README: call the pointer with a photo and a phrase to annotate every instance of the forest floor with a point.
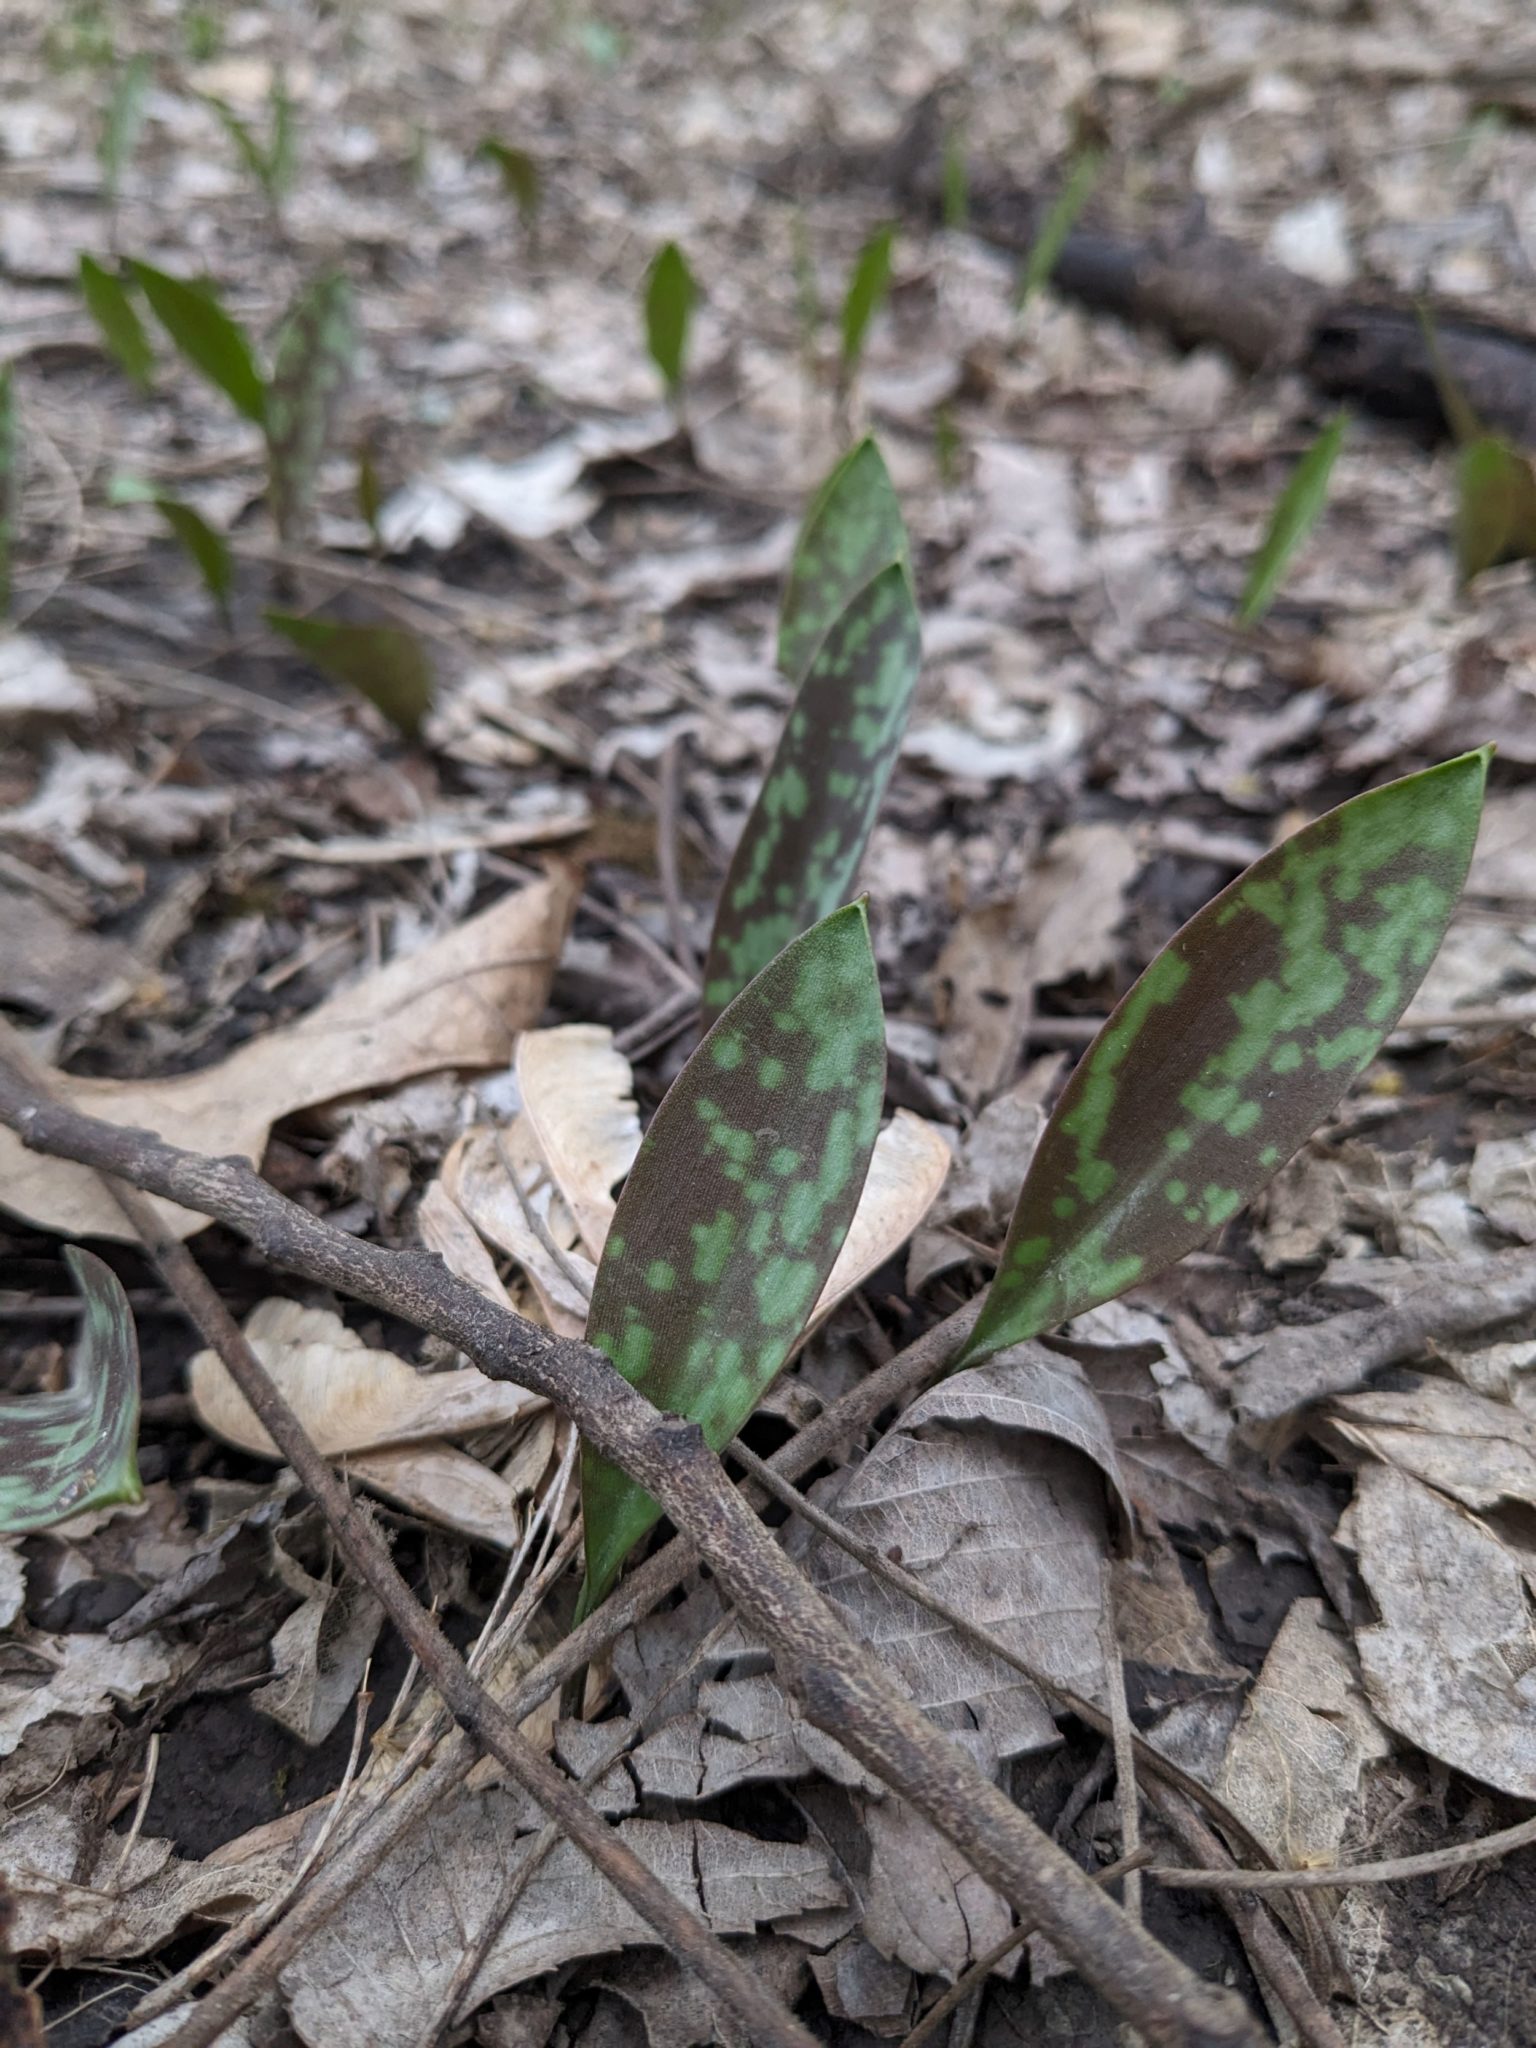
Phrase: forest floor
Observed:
(1326, 1614)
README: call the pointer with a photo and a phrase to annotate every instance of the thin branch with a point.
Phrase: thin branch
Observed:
(1323, 1877)
(358, 1538)
(376, 1835)
(1123, 1736)
(841, 1688)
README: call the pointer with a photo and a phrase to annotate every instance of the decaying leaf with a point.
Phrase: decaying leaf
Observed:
(444, 1485)
(736, 1206)
(348, 1397)
(1479, 1451)
(358, 1985)
(1233, 1046)
(446, 1230)
(64, 1453)
(458, 1002)
(77, 1675)
(78, 1895)
(319, 1653)
(800, 849)
(578, 1097)
(906, 1172)
(1295, 1759)
(1449, 1664)
(977, 1492)
(478, 1177)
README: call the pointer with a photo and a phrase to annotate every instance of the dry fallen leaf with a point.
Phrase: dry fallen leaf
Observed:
(348, 1397)
(578, 1095)
(476, 1179)
(981, 1496)
(446, 1230)
(1295, 1759)
(358, 1985)
(1451, 1664)
(319, 1654)
(1479, 1451)
(906, 1171)
(443, 1485)
(458, 1002)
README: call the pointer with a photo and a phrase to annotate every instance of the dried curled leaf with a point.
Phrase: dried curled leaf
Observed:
(63, 1453)
(733, 1214)
(1233, 1046)
(799, 853)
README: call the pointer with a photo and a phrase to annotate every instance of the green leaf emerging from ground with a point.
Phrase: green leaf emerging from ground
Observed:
(124, 120)
(1233, 1046)
(1045, 251)
(210, 340)
(207, 549)
(310, 367)
(1297, 510)
(669, 296)
(63, 1453)
(867, 287)
(385, 664)
(800, 850)
(1495, 508)
(852, 530)
(519, 175)
(736, 1206)
(122, 330)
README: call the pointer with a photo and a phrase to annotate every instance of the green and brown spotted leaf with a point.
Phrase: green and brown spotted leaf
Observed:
(799, 853)
(852, 530)
(736, 1207)
(1233, 1046)
(310, 367)
(63, 1453)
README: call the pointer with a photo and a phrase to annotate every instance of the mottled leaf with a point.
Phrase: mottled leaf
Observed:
(866, 292)
(1233, 1046)
(1297, 510)
(669, 297)
(121, 328)
(124, 119)
(800, 851)
(519, 175)
(210, 340)
(1495, 508)
(207, 549)
(738, 1201)
(1045, 250)
(310, 366)
(385, 664)
(852, 529)
(10, 480)
(63, 1453)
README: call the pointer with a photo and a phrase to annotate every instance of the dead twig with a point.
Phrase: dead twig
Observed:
(1323, 1877)
(412, 1798)
(841, 1688)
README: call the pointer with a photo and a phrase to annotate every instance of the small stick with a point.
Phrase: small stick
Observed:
(141, 1807)
(1392, 1870)
(1123, 1736)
